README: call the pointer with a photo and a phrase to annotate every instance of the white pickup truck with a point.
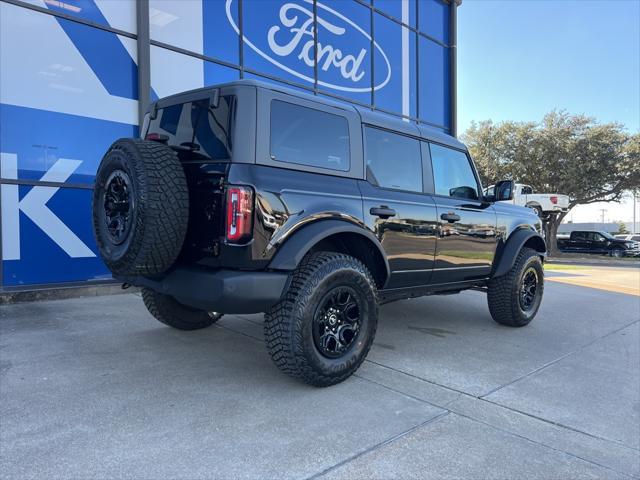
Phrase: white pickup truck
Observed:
(543, 203)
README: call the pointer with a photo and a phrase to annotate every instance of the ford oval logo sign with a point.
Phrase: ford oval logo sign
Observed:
(344, 48)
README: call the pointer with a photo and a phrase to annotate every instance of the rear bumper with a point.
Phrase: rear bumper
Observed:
(224, 291)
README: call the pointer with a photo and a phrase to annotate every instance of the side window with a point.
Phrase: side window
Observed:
(452, 173)
(306, 136)
(527, 190)
(393, 161)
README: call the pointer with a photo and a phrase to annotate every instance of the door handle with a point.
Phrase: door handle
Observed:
(382, 211)
(450, 217)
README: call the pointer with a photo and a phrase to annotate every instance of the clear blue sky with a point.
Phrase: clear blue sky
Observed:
(518, 59)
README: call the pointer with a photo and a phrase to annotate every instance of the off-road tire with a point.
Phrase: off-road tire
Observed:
(174, 314)
(288, 324)
(503, 293)
(160, 209)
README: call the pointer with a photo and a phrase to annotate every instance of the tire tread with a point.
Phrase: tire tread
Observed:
(162, 209)
(172, 313)
(284, 339)
(502, 293)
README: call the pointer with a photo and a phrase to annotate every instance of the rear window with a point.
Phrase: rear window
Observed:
(197, 127)
(306, 136)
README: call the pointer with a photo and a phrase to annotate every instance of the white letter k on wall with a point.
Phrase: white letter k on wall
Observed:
(34, 206)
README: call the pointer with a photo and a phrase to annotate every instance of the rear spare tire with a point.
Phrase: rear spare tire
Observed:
(140, 207)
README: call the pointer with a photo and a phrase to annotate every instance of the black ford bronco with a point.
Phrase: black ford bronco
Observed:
(249, 197)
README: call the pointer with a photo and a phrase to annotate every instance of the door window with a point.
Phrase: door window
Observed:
(393, 161)
(527, 190)
(307, 136)
(452, 173)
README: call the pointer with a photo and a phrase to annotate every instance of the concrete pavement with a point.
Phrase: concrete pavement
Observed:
(96, 388)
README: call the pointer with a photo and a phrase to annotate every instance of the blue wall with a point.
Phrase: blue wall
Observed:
(69, 90)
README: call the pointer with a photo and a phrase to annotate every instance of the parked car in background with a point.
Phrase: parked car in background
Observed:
(598, 242)
(633, 238)
(544, 204)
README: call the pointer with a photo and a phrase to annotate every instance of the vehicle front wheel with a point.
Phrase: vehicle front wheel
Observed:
(514, 298)
(323, 328)
(616, 252)
(174, 314)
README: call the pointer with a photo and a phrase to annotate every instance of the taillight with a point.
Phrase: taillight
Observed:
(554, 200)
(157, 137)
(239, 213)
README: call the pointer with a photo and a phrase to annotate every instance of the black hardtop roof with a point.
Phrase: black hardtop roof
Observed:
(367, 116)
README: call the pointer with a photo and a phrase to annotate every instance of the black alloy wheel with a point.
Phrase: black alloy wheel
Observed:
(337, 322)
(528, 289)
(118, 204)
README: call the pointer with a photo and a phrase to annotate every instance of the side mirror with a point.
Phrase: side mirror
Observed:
(504, 190)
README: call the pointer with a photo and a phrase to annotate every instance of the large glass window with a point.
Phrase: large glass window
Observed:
(395, 81)
(393, 161)
(434, 71)
(434, 19)
(452, 173)
(198, 127)
(403, 11)
(278, 39)
(344, 50)
(120, 14)
(307, 136)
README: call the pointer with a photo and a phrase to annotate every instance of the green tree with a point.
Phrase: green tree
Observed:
(622, 229)
(568, 154)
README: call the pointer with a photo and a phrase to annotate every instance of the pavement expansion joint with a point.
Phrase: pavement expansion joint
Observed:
(379, 445)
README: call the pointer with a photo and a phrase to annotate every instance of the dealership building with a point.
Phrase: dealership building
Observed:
(75, 75)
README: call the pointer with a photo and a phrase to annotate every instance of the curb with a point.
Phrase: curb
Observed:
(61, 293)
(597, 262)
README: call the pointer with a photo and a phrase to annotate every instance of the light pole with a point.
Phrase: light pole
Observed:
(603, 211)
(635, 230)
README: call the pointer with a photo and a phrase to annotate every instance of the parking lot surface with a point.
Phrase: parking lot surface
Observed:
(96, 388)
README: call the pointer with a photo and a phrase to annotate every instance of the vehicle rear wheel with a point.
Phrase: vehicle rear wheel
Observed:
(323, 328)
(174, 314)
(140, 207)
(541, 214)
(616, 252)
(514, 298)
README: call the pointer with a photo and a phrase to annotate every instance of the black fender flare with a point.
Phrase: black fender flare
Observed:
(293, 250)
(514, 244)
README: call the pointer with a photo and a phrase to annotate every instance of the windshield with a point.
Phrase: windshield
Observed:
(608, 236)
